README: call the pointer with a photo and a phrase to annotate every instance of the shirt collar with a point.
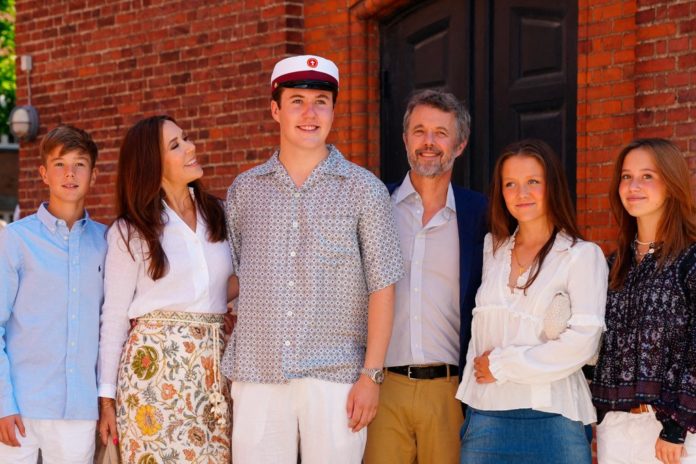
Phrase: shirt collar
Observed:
(406, 189)
(334, 164)
(562, 242)
(168, 212)
(52, 222)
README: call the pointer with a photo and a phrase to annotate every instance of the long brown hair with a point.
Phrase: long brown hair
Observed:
(559, 206)
(677, 227)
(139, 193)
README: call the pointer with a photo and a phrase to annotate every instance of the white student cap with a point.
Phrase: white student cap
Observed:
(305, 72)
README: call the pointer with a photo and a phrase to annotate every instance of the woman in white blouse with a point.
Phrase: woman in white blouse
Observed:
(167, 270)
(538, 318)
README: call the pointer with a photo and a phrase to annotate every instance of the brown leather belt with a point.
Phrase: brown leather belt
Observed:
(426, 372)
(640, 409)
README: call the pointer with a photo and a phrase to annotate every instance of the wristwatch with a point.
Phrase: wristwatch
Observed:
(375, 374)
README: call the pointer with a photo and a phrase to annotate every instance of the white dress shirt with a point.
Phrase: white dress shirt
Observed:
(196, 281)
(531, 371)
(426, 310)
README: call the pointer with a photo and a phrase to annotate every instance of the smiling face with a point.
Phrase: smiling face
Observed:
(642, 190)
(524, 188)
(68, 176)
(179, 164)
(305, 117)
(431, 141)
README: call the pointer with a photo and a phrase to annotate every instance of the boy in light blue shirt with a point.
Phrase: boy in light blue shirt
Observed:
(51, 291)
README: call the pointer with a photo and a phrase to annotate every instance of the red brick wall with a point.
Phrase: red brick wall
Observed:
(606, 104)
(104, 64)
(636, 73)
(666, 74)
(8, 174)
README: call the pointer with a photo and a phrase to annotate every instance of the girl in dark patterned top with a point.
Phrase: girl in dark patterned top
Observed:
(644, 385)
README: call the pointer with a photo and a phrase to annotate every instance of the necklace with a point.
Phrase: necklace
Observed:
(640, 254)
(520, 267)
(649, 251)
(651, 244)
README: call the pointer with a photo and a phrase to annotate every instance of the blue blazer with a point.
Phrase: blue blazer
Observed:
(472, 208)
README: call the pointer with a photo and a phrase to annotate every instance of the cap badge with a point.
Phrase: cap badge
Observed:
(312, 62)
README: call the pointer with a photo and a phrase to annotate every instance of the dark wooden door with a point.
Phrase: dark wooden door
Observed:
(512, 61)
(425, 46)
(534, 78)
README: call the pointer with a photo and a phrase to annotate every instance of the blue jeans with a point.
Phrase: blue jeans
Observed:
(522, 436)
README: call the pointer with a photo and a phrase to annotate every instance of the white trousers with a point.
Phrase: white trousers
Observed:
(625, 438)
(60, 442)
(269, 420)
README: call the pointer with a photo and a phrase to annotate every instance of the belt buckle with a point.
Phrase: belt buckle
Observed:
(408, 373)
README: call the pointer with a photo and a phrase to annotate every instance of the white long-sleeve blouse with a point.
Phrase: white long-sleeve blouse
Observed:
(196, 281)
(530, 370)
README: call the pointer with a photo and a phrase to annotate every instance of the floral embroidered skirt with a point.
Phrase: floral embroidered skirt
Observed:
(172, 401)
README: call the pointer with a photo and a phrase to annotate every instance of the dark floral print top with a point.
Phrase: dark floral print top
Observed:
(648, 353)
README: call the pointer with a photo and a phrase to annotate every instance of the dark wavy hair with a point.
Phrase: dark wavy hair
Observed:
(139, 194)
(677, 227)
(559, 206)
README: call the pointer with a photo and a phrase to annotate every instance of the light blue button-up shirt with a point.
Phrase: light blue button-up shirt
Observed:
(51, 292)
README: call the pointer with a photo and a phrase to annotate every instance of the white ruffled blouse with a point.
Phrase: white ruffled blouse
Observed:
(530, 370)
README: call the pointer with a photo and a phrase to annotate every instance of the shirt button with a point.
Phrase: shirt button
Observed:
(74, 290)
(295, 224)
(289, 313)
(297, 194)
(293, 254)
(71, 370)
(287, 342)
(65, 237)
(418, 211)
(291, 283)
(72, 343)
(415, 318)
(73, 317)
(415, 289)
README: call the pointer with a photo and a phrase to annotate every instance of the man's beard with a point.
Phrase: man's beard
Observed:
(430, 167)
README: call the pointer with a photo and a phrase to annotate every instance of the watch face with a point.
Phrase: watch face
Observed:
(379, 377)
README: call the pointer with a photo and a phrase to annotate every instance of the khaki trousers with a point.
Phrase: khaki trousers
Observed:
(418, 421)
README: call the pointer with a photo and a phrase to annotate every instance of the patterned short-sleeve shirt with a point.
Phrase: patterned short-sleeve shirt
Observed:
(307, 259)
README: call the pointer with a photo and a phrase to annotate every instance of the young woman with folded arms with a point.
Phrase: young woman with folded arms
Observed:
(538, 319)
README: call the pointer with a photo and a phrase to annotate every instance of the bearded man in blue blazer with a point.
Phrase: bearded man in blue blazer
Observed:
(441, 229)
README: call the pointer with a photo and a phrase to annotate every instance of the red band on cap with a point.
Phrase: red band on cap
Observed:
(311, 75)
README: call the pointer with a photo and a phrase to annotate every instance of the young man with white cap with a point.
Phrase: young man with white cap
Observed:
(317, 255)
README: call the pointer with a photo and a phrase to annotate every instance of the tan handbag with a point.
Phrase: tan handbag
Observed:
(106, 454)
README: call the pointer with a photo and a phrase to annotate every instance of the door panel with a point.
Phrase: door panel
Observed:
(512, 61)
(535, 76)
(424, 46)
